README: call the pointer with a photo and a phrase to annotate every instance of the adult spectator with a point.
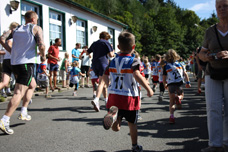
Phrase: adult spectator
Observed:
(23, 53)
(85, 65)
(101, 50)
(53, 58)
(76, 52)
(214, 51)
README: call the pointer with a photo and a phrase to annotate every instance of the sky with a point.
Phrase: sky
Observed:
(203, 8)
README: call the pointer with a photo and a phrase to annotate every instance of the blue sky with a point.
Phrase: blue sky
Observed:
(203, 8)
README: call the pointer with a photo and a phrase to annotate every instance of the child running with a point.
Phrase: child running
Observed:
(155, 71)
(173, 77)
(123, 100)
(94, 80)
(160, 78)
(147, 69)
(42, 77)
(74, 77)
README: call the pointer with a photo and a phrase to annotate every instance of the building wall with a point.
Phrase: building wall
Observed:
(92, 20)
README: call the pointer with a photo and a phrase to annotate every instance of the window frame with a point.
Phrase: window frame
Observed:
(112, 36)
(63, 27)
(86, 30)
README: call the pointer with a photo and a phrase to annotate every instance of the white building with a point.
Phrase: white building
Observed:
(56, 19)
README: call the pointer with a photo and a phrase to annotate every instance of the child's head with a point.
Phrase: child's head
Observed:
(42, 59)
(126, 42)
(171, 56)
(75, 64)
(85, 47)
(136, 54)
(146, 60)
(104, 35)
(66, 55)
(157, 57)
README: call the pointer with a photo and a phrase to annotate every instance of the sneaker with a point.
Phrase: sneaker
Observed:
(171, 120)
(137, 148)
(74, 94)
(110, 117)
(139, 117)
(96, 105)
(9, 94)
(213, 149)
(178, 102)
(47, 96)
(26, 117)
(82, 86)
(95, 86)
(4, 95)
(87, 86)
(5, 128)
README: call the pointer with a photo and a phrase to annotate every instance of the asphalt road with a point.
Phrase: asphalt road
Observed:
(65, 123)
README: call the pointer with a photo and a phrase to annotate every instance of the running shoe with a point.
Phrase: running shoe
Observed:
(178, 102)
(96, 105)
(4, 95)
(47, 96)
(160, 98)
(139, 117)
(137, 148)
(26, 117)
(74, 94)
(5, 128)
(110, 117)
(213, 149)
(171, 120)
(87, 86)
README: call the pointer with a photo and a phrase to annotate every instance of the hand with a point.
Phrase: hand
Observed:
(150, 93)
(223, 54)
(188, 85)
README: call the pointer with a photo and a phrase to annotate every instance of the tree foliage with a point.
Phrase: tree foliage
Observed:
(158, 25)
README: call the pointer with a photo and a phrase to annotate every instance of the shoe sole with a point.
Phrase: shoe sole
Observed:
(109, 117)
(23, 119)
(178, 103)
(94, 106)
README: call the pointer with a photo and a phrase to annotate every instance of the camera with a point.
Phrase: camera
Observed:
(214, 55)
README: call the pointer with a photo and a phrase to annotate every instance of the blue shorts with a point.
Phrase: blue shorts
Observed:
(53, 67)
(99, 69)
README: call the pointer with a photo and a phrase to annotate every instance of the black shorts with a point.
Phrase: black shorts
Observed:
(147, 76)
(85, 69)
(175, 88)
(23, 73)
(7, 69)
(130, 116)
(53, 67)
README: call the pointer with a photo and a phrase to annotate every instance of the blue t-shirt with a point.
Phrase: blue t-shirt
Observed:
(75, 71)
(100, 50)
(76, 53)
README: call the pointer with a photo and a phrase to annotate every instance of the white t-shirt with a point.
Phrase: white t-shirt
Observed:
(24, 45)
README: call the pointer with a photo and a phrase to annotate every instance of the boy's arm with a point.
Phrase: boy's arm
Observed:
(81, 74)
(142, 81)
(45, 71)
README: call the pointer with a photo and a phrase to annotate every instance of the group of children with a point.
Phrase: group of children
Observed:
(124, 76)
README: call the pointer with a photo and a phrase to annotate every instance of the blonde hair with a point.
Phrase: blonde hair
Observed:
(75, 64)
(13, 25)
(171, 56)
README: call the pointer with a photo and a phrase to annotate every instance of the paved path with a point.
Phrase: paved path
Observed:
(69, 124)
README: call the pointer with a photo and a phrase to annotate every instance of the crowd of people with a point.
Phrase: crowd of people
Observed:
(119, 76)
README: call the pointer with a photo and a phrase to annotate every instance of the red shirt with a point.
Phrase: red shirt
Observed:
(54, 51)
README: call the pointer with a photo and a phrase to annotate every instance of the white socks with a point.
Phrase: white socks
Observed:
(5, 120)
(24, 111)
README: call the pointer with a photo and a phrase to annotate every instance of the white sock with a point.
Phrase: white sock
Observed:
(5, 119)
(3, 91)
(106, 100)
(96, 99)
(24, 111)
(8, 90)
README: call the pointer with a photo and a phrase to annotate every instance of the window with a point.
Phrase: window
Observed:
(81, 34)
(112, 39)
(25, 6)
(56, 27)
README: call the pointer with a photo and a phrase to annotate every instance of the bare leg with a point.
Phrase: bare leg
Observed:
(50, 79)
(19, 92)
(83, 83)
(100, 87)
(29, 92)
(171, 103)
(5, 80)
(55, 78)
(133, 132)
